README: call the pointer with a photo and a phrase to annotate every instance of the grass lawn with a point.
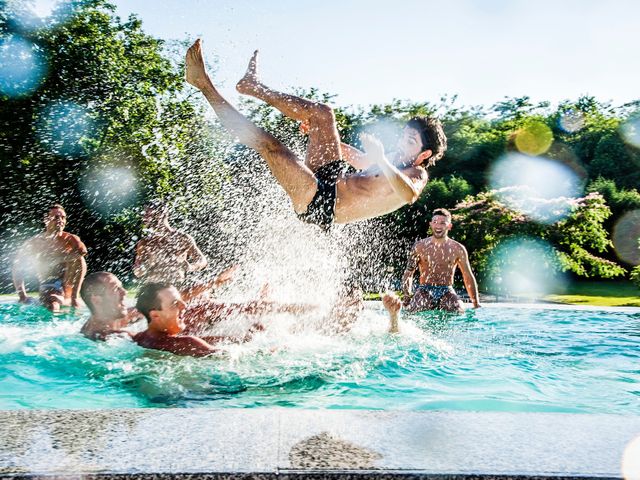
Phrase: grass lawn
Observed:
(619, 293)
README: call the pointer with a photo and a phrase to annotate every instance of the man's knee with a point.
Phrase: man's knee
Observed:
(324, 114)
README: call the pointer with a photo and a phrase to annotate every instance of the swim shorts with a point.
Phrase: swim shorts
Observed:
(321, 209)
(436, 291)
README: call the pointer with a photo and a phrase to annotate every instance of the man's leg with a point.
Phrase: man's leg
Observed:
(450, 302)
(292, 174)
(421, 301)
(74, 274)
(324, 140)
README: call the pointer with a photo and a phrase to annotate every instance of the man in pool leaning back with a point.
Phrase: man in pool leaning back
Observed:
(321, 191)
(437, 258)
(104, 295)
(58, 259)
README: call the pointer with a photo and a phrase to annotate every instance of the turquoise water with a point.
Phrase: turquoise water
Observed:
(494, 359)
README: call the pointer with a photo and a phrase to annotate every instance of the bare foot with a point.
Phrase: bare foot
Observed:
(195, 72)
(249, 84)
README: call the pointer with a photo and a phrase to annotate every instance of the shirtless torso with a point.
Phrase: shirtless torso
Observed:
(58, 261)
(437, 258)
(166, 256)
(368, 193)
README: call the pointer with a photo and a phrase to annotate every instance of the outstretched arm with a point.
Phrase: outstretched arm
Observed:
(354, 157)
(18, 274)
(469, 279)
(140, 263)
(406, 188)
(407, 278)
(195, 258)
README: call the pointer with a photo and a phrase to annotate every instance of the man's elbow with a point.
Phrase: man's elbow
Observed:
(412, 196)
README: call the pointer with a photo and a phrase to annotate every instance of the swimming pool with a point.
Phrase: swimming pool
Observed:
(496, 359)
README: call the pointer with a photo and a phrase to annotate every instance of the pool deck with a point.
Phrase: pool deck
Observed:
(292, 443)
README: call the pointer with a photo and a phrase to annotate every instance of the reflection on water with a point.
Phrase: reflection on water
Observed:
(493, 359)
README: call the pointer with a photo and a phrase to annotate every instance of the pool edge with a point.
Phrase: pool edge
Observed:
(314, 444)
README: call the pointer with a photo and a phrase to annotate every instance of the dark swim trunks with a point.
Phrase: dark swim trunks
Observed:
(436, 291)
(51, 285)
(321, 209)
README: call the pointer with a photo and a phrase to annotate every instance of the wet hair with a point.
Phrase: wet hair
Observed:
(148, 298)
(442, 211)
(158, 206)
(91, 286)
(55, 205)
(432, 136)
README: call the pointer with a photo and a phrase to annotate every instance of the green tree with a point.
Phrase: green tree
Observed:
(111, 104)
(483, 222)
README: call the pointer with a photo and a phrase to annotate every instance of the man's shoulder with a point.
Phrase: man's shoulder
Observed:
(422, 243)
(457, 245)
(74, 241)
(415, 172)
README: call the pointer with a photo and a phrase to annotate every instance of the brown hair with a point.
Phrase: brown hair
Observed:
(442, 211)
(148, 298)
(91, 286)
(55, 205)
(432, 136)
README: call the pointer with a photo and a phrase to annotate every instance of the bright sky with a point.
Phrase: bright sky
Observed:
(372, 51)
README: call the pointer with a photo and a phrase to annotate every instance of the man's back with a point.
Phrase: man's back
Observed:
(186, 345)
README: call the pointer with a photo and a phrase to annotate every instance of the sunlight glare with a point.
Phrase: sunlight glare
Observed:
(22, 67)
(525, 266)
(571, 121)
(535, 138)
(62, 127)
(535, 186)
(631, 132)
(626, 237)
(109, 189)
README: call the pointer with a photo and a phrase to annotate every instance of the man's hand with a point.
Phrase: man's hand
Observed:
(391, 302)
(225, 276)
(77, 303)
(372, 146)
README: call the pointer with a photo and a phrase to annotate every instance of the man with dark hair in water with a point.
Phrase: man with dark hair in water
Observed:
(104, 295)
(321, 191)
(437, 258)
(171, 321)
(58, 258)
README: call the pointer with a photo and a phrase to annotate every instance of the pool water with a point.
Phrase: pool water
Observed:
(493, 359)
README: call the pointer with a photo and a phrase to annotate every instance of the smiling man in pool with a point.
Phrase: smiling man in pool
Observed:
(319, 187)
(437, 258)
(105, 296)
(58, 259)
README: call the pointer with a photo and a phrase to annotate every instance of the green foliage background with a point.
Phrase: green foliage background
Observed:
(147, 121)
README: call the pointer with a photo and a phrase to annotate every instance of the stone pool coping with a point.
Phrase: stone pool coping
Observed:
(283, 443)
